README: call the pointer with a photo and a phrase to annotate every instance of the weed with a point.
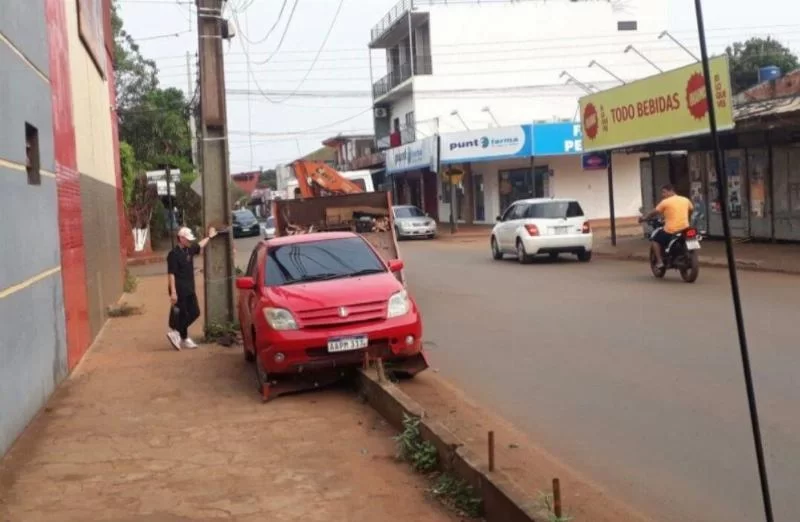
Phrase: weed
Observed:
(131, 283)
(239, 272)
(545, 502)
(421, 454)
(457, 494)
(223, 334)
(123, 310)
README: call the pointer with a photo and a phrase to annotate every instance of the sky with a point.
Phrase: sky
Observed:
(322, 46)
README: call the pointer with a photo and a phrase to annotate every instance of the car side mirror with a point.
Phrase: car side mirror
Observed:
(498, 219)
(395, 265)
(245, 283)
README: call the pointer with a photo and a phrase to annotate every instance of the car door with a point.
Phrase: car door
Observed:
(508, 229)
(249, 298)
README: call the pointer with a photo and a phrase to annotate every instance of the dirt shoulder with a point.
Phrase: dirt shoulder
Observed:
(142, 432)
(529, 466)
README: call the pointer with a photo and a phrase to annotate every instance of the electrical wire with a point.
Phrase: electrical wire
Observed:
(271, 29)
(283, 36)
(319, 52)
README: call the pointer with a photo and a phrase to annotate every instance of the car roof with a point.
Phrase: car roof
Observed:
(308, 238)
(546, 200)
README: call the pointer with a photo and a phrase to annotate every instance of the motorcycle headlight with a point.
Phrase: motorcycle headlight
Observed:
(280, 319)
(398, 305)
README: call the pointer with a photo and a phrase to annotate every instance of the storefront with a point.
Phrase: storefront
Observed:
(497, 169)
(506, 164)
(412, 169)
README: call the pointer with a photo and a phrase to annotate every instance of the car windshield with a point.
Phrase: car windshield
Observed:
(270, 222)
(554, 210)
(244, 215)
(320, 260)
(408, 212)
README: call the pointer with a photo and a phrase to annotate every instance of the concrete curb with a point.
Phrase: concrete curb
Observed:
(750, 266)
(503, 501)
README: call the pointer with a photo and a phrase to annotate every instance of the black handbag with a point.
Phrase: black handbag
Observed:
(174, 317)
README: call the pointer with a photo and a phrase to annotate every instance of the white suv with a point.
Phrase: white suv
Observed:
(531, 227)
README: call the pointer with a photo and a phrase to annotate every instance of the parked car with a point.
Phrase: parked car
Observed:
(411, 221)
(311, 306)
(245, 224)
(532, 227)
(269, 228)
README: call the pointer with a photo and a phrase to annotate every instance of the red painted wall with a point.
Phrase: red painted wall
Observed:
(70, 217)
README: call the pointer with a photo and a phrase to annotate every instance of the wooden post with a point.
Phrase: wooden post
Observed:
(491, 451)
(556, 498)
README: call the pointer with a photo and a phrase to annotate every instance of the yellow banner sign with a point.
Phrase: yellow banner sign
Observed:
(661, 107)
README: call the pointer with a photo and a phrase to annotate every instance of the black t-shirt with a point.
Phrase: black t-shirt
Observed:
(180, 263)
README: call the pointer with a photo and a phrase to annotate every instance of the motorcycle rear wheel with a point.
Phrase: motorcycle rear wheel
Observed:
(691, 272)
(657, 272)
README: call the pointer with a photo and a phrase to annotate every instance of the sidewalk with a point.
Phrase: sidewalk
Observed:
(781, 258)
(142, 432)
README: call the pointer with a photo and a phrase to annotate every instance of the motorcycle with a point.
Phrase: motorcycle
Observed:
(682, 253)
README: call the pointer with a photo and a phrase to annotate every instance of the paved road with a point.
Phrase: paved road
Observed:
(635, 382)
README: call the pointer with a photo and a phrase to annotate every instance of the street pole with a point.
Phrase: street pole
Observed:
(218, 258)
(612, 212)
(192, 123)
(722, 185)
(171, 208)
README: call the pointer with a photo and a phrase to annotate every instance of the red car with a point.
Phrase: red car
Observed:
(313, 305)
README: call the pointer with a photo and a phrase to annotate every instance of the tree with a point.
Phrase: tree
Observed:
(134, 75)
(747, 57)
(268, 178)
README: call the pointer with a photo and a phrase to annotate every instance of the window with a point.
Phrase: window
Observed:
(408, 212)
(509, 214)
(630, 25)
(32, 161)
(321, 260)
(251, 266)
(554, 210)
(410, 127)
(270, 222)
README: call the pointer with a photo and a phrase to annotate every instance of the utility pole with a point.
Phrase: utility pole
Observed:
(192, 122)
(218, 259)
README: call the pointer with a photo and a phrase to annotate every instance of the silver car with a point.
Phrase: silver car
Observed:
(410, 221)
(268, 228)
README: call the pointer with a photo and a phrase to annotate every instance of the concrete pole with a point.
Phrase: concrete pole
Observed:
(218, 262)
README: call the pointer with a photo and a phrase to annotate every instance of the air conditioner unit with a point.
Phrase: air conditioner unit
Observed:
(380, 112)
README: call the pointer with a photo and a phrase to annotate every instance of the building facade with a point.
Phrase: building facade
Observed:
(62, 261)
(440, 68)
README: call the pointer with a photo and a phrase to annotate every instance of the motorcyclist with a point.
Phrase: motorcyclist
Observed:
(677, 211)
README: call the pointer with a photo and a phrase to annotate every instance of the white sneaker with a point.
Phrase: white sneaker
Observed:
(189, 344)
(174, 339)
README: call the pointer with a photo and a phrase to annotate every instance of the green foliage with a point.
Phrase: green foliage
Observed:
(457, 494)
(123, 310)
(223, 334)
(127, 160)
(268, 178)
(131, 283)
(421, 454)
(190, 204)
(747, 57)
(158, 222)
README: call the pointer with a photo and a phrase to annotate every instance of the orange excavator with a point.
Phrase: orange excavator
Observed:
(315, 179)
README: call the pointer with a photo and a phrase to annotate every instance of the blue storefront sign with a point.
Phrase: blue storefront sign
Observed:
(420, 154)
(595, 161)
(557, 139)
(486, 144)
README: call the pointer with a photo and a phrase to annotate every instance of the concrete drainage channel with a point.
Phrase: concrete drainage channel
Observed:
(501, 499)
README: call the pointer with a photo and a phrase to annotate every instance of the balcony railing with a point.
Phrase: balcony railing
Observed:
(407, 135)
(385, 85)
(391, 17)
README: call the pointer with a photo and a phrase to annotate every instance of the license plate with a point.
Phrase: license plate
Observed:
(347, 344)
(560, 230)
(692, 244)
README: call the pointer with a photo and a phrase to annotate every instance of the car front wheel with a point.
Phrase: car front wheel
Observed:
(496, 253)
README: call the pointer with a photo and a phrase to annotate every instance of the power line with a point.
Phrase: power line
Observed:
(319, 52)
(269, 32)
(283, 36)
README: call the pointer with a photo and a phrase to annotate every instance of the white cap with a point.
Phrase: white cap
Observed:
(186, 233)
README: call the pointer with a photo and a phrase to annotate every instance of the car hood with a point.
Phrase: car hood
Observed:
(348, 291)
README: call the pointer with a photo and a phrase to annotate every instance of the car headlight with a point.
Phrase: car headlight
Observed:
(432, 223)
(398, 305)
(280, 319)
(404, 225)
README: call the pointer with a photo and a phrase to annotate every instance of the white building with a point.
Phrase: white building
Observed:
(472, 65)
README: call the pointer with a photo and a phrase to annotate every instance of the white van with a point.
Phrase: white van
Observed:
(362, 178)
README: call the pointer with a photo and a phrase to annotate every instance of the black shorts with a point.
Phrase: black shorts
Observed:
(661, 237)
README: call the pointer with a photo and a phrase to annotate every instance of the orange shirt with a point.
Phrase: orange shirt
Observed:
(676, 211)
